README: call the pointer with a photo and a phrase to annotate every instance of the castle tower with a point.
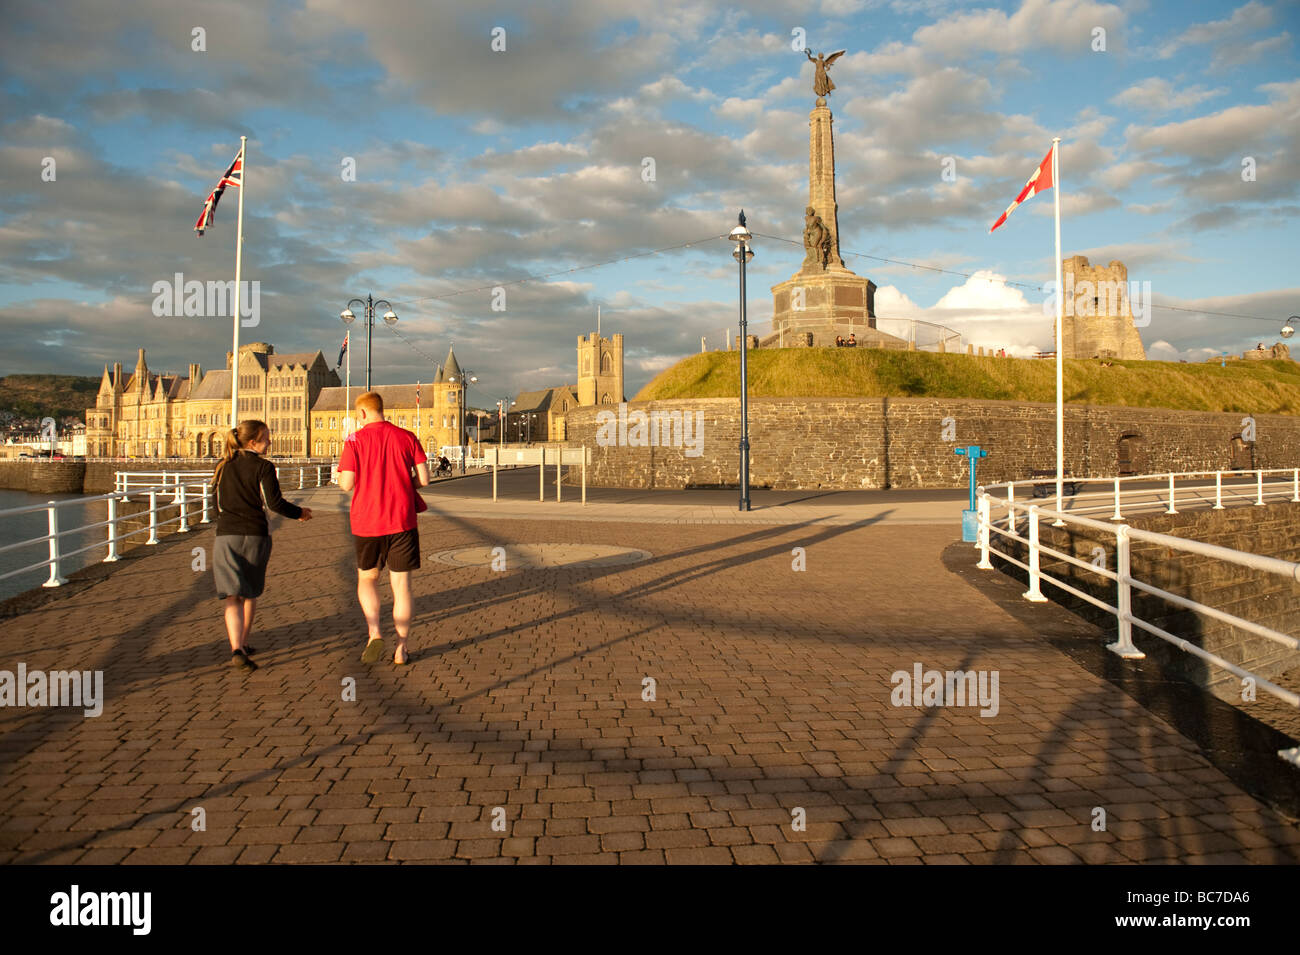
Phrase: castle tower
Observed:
(1098, 321)
(600, 369)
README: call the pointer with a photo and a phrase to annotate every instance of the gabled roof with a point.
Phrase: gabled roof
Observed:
(306, 359)
(538, 402)
(396, 397)
(215, 384)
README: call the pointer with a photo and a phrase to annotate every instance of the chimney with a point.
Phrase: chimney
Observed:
(195, 374)
(229, 360)
(117, 375)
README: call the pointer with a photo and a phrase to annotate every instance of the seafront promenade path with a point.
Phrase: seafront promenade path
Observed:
(525, 729)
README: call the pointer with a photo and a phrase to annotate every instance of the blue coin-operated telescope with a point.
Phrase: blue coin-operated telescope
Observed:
(970, 524)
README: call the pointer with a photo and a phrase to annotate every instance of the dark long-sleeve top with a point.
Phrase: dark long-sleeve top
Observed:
(248, 485)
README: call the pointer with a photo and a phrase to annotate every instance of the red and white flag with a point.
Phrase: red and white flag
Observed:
(1040, 181)
(234, 177)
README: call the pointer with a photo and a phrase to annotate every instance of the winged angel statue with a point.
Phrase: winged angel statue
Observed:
(822, 84)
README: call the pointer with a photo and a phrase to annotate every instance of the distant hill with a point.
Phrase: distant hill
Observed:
(1248, 387)
(55, 396)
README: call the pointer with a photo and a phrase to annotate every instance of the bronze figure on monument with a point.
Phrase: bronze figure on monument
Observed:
(822, 84)
(816, 240)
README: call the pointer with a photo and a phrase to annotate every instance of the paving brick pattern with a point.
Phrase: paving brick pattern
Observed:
(520, 733)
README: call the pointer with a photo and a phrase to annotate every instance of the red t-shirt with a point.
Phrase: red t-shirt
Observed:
(383, 498)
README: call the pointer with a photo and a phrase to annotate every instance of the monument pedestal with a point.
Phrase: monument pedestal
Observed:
(825, 304)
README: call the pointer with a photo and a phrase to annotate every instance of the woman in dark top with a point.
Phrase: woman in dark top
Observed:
(246, 486)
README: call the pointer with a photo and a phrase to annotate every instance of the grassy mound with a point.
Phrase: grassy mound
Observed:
(1249, 387)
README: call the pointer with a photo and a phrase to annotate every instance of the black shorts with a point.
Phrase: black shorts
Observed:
(400, 551)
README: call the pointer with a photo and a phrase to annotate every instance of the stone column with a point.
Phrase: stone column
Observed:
(821, 177)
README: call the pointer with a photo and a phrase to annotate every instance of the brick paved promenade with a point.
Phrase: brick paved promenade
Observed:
(525, 693)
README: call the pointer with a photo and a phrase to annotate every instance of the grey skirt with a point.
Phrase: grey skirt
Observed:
(239, 565)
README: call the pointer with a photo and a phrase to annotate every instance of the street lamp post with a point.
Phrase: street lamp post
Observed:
(465, 380)
(742, 254)
(369, 304)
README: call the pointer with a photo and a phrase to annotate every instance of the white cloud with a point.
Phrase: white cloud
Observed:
(1156, 94)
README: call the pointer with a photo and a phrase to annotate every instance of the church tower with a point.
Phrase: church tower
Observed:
(600, 369)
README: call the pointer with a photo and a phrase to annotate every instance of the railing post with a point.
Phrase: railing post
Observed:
(1218, 491)
(1034, 593)
(56, 572)
(181, 493)
(1124, 599)
(495, 461)
(300, 479)
(984, 533)
(584, 475)
(1259, 488)
(112, 531)
(1295, 493)
(541, 474)
(558, 459)
(153, 516)
(1011, 499)
(1117, 516)
(206, 488)
(1171, 509)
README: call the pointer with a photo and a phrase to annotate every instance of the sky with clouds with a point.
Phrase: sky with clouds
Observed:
(477, 168)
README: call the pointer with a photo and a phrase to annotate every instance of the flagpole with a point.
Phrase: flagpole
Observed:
(1056, 181)
(239, 261)
(347, 391)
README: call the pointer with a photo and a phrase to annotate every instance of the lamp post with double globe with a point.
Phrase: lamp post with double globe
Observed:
(742, 254)
(369, 304)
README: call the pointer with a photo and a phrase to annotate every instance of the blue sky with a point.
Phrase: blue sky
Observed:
(476, 168)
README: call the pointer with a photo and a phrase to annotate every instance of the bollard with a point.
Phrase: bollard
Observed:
(1124, 599)
(495, 461)
(558, 459)
(584, 473)
(112, 531)
(153, 516)
(541, 475)
(181, 495)
(1034, 593)
(56, 575)
(984, 563)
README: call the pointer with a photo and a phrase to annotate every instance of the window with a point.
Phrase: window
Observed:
(605, 400)
(318, 424)
(333, 424)
(401, 421)
(605, 364)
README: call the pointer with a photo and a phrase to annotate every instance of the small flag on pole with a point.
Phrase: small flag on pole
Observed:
(234, 177)
(344, 350)
(417, 394)
(1040, 181)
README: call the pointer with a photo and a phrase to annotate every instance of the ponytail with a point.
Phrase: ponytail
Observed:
(237, 439)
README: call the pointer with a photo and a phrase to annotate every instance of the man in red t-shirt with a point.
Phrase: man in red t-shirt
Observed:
(376, 467)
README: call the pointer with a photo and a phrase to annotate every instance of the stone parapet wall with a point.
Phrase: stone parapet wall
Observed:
(856, 443)
(43, 477)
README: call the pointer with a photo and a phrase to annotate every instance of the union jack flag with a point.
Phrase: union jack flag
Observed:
(417, 394)
(234, 176)
(344, 350)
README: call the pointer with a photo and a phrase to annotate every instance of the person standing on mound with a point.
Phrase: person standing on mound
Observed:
(376, 467)
(246, 486)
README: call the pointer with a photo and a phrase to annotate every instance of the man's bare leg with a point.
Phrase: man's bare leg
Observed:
(401, 581)
(368, 595)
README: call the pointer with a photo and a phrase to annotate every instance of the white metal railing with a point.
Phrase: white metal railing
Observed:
(1256, 487)
(1125, 582)
(310, 475)
(189, 493)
